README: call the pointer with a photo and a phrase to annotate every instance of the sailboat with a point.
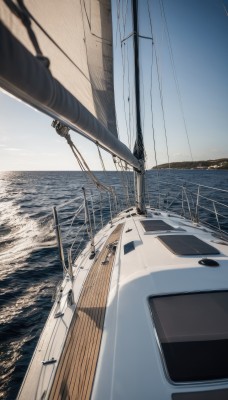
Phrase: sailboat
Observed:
(142, 312)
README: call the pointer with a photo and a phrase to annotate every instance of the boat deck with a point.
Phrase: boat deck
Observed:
(76, 369)
(104, 346)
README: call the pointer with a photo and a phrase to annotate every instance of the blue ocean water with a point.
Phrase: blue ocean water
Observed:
(29, 262)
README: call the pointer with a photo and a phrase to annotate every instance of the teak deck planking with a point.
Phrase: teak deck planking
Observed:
(77, 366)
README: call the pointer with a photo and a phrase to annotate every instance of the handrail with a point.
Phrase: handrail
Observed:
(211, 211)
(207, 224)
(73, 219)
(192, 183)
(204, 186)
(215, 201)
(92, 212)
(192, 202)
(198, 185)
(66, 203)
(103, 207)
(193, 193)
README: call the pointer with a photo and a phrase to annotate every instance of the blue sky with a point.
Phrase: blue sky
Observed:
(28, 141)
(198, 31)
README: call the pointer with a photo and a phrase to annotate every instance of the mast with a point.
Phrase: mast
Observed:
(139, 146)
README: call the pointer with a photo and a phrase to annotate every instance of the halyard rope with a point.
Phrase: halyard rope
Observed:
(63, 131)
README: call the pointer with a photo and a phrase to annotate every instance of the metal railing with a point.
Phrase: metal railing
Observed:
(197, 202)
(77, 221)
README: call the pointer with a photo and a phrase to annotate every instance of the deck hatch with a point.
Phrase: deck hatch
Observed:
(156, 225)
(128, 247)
(192, 331)
(187, 245)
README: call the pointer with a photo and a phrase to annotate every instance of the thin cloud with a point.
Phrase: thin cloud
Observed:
(49, 154)
(13, 149)
(28, 154)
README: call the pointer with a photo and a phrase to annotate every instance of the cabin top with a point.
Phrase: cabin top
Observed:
(158, 297)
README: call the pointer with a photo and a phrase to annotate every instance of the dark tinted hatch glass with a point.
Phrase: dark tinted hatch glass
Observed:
(219, 394)
(128, 247)
(187, 245)
(193, 334)
(156, 225)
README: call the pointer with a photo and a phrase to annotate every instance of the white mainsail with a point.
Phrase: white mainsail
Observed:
(75, 38)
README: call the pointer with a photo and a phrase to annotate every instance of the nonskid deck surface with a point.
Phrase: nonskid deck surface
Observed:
(76, 369)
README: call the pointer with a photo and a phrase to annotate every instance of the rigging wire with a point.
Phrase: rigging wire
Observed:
(162, 8)
(112, 191)
(126, 97)
(123, 87)
(122, 178)
(124, 168)
(116, 41)
(116, 45)
(118, 21)
(125, 16)
(162, 106)
(124, 183)
(129, 184)
(122, 49)
(129, 100)
(151, 106)
(63, 131)
(160, 87)
(130, 180)
(100, 156)
(142, 104)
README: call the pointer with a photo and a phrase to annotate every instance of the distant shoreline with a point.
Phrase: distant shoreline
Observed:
(221, 163)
